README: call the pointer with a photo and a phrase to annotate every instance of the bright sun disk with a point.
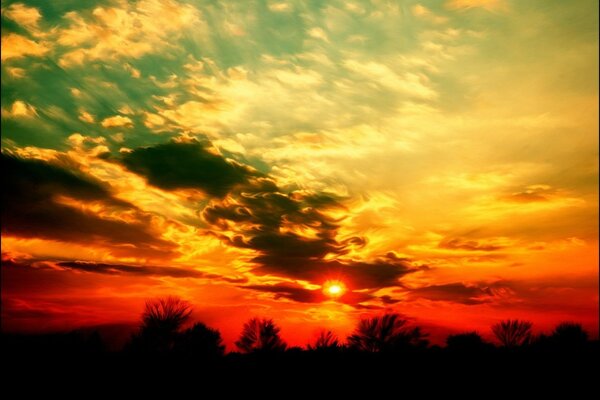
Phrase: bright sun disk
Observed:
(334, 288)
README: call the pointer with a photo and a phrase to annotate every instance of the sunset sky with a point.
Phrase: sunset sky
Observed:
(435, 158)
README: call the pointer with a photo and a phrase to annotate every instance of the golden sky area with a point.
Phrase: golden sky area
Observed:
(311, 163)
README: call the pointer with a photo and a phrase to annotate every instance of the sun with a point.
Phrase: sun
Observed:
(334, 289)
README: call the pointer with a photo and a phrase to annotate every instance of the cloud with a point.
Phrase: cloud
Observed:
(87, 117)
(135, 73)
(355, 274)
(43, 200)
(102, 268)
(187, 165)
(126, 110)
(200, 116)
(421, 11)
(14, 309)
(20, 109)
(27, 17)
(258, 99)
(17, 46)
(129, 31)
(117, 121)
(409, 84)
(486, 4)
(298, 293)
(318, 33)
(471, 245)
(461, 293)
(532, 194)
(294, 237)
(153, 120)
(16, 72)
(279, 6)
(144, 270)
(290, 291)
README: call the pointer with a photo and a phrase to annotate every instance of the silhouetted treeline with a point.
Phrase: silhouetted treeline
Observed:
(164, 331)
(384, 351)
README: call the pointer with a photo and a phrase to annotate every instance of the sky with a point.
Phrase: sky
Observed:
(433, 158)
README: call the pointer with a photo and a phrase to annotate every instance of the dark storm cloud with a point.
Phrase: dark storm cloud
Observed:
(356, 274)
(38, 178)
(274, 224)
(458, 293)
(290, 291)
(30, 208)
(301, 294)
(291, 232)
(143, 270)
(11, 263)
(466, 244)
(187, 165)
(102, 268)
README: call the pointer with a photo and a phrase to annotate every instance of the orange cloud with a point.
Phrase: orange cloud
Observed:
(486, 4)
(17, 46)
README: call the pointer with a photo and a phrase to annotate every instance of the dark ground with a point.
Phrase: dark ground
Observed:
(71, 366)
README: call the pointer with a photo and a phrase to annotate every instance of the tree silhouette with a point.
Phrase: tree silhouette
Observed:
(260, 335)
(161, 321)
(569, 335)
(199, 342)
(326, 341)
(386, 333)
(167, 314)
(465, 342)
(513, 333)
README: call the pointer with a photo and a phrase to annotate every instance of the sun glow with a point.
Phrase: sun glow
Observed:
(334, 288)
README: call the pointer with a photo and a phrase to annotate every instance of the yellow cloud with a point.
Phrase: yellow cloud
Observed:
(489, 208)
(88, 145)
(421, 11)
(135, 73)
(15, 72)
(299, 78)
(412, 84)
(131, 31)
(56, 249)
(487, 4)
(116, 121)
(229, 145)
(17, 46)
(318, 33)
(279, 7)
(153, 120)
(118, 137)
(20, 109)
(86, 117)
(126, 110)
(27, 17)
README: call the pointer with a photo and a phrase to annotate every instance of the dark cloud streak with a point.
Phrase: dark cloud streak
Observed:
(187, 165)
(296, 292)
(143, 270)
(30, 208)
(459, 292)
(271, 223)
